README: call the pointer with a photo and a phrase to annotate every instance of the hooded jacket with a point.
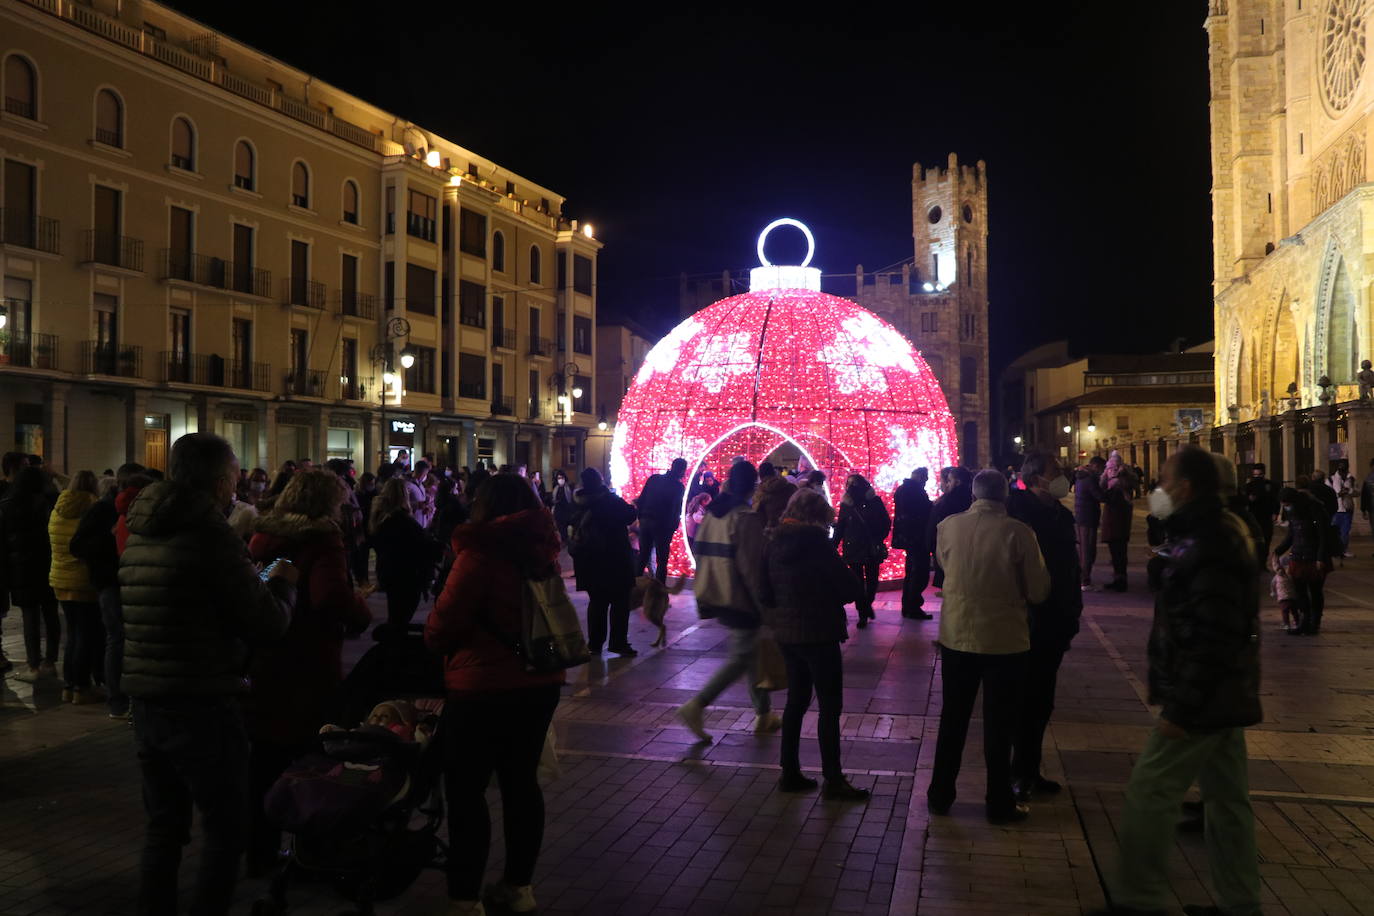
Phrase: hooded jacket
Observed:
(1204, 645)
(294, 679)
(193, 602)
(476, 620)
(729, 555)
(770, 499)
(806, 586)
(609, 566)
(69, 576)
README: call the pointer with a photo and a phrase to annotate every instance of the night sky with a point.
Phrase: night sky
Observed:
(680, 133)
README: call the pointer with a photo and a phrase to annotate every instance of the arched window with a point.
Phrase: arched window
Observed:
(21, 87)
(1342, 336)
(300, 185)
(498, 251)
(109, 118)
(350, 203)
(536, 264)
(183, 145)
(245, 162)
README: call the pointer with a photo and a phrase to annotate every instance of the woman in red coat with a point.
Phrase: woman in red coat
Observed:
(295, 682)
(496, 714)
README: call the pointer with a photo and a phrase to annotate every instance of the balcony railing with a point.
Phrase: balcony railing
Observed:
(421, 227)
(351, 389)
(534, 408)
(115, 250)
(28, 351)
(28, 230)
(213, 369)
(473, 318)
(101, 358)
(244, 278)
(359, 305)
(190, 267)
(503, 338)
(475, 390)
(109, 137)
(25, 108)
(541, 346)
(300, 291)
(308, 382)
(503, 405)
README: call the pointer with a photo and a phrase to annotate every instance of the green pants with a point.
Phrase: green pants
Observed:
(1162, 775)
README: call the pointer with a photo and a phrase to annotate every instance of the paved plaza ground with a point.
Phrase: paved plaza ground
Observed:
(644, 821)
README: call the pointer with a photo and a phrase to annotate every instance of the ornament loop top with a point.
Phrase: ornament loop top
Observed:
(787, 221)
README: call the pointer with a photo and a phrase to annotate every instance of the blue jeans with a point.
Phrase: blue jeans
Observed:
(1342, 522)
(193, 754)
(742, 661)
(112, 615)
(1162, 775)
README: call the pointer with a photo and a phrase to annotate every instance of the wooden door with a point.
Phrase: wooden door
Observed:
(155, 449)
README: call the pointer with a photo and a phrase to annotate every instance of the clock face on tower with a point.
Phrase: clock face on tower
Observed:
(1341, 52)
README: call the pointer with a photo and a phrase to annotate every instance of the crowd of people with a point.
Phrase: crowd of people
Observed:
(210, 606)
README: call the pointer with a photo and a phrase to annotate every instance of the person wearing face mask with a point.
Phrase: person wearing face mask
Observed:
(1204, 673)
(1053, 622)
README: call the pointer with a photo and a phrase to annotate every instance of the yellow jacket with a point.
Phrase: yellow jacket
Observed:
(993, 570)
(69, 577)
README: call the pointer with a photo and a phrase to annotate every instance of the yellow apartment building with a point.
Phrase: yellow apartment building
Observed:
(195, 236)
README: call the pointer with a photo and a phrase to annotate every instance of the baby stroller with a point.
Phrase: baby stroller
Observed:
(364, 810)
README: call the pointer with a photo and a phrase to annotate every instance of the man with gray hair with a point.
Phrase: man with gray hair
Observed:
(993, 570)
(193, 604)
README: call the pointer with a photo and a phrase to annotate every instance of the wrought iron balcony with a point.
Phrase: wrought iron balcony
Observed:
(115, 250)
(301, 291)
(212, 369)
(23, 350)
(351, 389)
(475, 390)
(541, 346)
(28, 230)
(102, 358)
(359, 305)
(503, 338)
(308, 382)
(25, 108)
(504, 405)
(218, 273)
(109, 137)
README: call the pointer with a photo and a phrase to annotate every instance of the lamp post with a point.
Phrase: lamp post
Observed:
(384, 353)
(564, 382)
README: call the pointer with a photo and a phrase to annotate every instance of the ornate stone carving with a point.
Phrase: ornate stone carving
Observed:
(1340, 52)
(1339, 169)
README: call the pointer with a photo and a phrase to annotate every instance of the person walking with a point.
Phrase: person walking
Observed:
(805, 588)
(993, 570)
(1204, 673)
(27, 562)
(1118, 483)
(660, 513)
(94, 544)
(417, 488)
(1054, 621)
(405, 556)
(193, 605)
(1310, 559)
(729, 555)
(1343, 485)
(70, 578)
(910, 514)
(1087, 515)
(956, 495)
(861, 528)
(1263, 496)
(603, 562)
(496, 714)
(562, 499)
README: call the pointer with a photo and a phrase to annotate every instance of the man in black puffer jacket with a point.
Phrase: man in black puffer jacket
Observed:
(956, 495)
(1204, 672)
(193, 605)
(1053, 622)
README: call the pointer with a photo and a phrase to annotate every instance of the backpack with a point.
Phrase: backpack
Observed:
(585, 537)
(550, 634)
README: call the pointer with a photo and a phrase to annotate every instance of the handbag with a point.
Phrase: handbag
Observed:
(551, 637)
(770, 671)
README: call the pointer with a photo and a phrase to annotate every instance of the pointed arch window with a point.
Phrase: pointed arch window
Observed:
(1342, 361)
(109, 118)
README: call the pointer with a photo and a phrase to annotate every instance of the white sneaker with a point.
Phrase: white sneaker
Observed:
(510, 898)
(767, 722)
(691, 714)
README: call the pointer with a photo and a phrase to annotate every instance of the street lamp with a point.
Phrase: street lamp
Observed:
(568, 392)
(1092, 427)
(382, 352)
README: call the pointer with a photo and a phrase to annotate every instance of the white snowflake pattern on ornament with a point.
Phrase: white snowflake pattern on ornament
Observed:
(719, 359)
(671, 443)
(879, 344)
(849, 373)
(620, 464)
(663, 358)
(924, 450)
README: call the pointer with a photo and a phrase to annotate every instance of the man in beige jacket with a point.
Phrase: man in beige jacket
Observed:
(993, 570)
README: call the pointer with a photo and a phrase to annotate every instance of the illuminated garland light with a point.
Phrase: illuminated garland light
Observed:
(778, 365)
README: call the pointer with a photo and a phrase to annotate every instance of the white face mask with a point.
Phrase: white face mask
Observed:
(1161, 505)
(1059, 487)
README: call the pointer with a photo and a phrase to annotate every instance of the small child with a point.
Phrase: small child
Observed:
(1282, 590)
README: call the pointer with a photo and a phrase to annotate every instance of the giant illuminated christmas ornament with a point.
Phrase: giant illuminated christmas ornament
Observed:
(788, 373)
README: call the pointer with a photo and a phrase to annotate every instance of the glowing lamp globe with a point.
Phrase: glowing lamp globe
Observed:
(788, 372)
